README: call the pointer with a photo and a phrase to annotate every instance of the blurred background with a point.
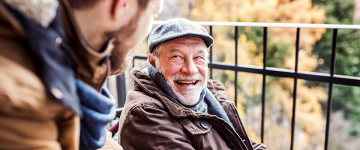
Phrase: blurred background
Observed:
(314, 56)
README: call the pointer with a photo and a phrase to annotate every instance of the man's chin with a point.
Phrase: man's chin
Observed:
(120, 66)
(188, 99)
(121, 61)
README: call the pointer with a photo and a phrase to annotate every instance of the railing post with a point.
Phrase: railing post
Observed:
(332, 72)
(236, 63)
(121, 90)
(295, 88)
(263, 84)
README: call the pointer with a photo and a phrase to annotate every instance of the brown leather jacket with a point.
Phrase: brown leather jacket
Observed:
(153, 120)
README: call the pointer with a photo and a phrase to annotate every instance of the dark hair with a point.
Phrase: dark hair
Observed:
(83, 4)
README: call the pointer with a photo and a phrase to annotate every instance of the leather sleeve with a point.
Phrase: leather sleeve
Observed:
(150, 127)
(257, 146)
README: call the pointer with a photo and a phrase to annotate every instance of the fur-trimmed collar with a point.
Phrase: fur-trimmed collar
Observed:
(41, 11)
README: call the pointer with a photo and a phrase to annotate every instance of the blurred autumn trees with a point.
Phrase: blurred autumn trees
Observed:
(314, 44)
(345, 98)
(310, 122)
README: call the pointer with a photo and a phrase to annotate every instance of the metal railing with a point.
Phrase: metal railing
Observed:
(270, 71)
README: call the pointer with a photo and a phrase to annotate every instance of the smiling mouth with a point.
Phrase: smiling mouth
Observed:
(187, 83)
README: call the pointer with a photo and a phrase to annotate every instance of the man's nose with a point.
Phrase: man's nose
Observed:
(189, 67)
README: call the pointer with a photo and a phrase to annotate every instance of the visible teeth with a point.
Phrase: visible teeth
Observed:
(187, 82)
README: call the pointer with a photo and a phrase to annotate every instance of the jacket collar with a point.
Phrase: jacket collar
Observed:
(93, 67)
(177, 110)
(145, 83)
(42, 12)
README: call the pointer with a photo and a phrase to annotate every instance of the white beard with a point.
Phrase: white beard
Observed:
(185, 97)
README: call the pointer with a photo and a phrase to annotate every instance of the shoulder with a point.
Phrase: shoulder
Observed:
(142, 113)
(215, 85)
(138, 104)
(141, 99)
(218, 90)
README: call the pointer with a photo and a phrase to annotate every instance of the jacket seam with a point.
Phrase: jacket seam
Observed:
(242, 127)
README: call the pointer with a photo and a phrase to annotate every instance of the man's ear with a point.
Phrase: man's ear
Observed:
(152, 60)
(119, 8)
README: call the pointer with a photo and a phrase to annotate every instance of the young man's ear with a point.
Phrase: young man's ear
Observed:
(152, 59)
(119, 8)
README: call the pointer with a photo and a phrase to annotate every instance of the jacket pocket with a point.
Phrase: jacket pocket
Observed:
(195, 127)
(202, 134)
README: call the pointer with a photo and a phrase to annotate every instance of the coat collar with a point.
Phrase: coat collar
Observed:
(177, 110)
(42, 12)
(145, 83)
(93, 67)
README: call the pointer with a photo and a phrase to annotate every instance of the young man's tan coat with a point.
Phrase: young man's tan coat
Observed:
(29, 117)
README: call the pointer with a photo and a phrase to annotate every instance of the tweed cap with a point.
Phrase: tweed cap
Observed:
(177, 28)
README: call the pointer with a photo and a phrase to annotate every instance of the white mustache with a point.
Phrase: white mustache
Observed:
(197, 76)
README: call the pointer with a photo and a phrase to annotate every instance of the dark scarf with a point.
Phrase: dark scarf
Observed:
(207, 102)
(98, 110)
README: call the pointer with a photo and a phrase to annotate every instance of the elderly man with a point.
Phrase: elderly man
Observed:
(173, 105)
(53, 66)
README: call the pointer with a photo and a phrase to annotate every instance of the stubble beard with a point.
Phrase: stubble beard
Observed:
(123, 51)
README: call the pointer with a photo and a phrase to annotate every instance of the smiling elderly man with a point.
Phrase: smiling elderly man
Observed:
(173, 105)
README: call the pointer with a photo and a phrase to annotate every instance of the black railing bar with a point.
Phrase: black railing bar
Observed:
(306, 76)
(263, 107)
(140, 56)
(281, 70)
(313, 76)
(236, 45)
(332, 71)
(297, 48)
(263, 94)
(275, 71)
(265, 34)
(121, 90)
(283, 25)
(236, 61)
(333, 52)
(211, 53)
(133, 62)
(293, 115)
(328, 113)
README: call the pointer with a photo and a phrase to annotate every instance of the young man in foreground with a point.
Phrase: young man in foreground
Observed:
(53, 67)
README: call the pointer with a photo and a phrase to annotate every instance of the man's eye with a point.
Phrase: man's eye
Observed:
(176, 56)
(199, 57)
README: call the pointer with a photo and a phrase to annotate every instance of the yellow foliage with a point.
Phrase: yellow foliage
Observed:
(310, 122)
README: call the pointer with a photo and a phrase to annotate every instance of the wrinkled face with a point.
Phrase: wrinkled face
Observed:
(183, 63)
(131, 35)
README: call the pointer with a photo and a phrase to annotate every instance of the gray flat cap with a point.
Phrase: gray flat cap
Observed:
(177, 28)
